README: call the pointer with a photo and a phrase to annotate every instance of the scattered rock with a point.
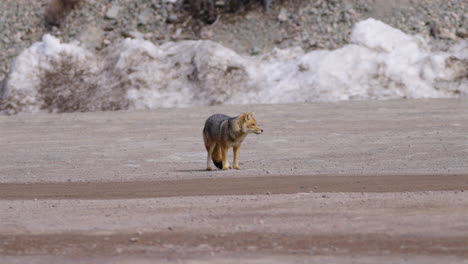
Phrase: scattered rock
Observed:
(133, 34)
(173, 18)
(303, 67)
(177, 33)
(253, 28)
(206, 33)
(255, 51)
(113, 12)
(283, 15)
(434, 30)
(144, 17)
(447, 34)
(92, 37)
(462, 33)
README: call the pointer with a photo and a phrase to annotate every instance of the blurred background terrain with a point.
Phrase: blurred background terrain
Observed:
(248, 27)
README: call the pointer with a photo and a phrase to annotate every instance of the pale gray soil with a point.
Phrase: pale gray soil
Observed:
(347, 138)
(350, 182)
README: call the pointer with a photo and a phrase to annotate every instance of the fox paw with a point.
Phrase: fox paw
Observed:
(237, 167)
(209, 168)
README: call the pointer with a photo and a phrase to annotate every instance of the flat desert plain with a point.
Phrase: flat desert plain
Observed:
(347, 182)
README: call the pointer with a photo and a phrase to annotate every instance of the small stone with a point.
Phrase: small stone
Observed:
(144, 17)
(113, 12)
(134, 239)
(178, 32)
(447, 34)
(148, 35)
(133, 34)
(462, 33)
(303, 67)
(252, 248)
(91, 37)
(255, 51)
(205, 33)
(173, 18)
(434, 30)
(283, 14)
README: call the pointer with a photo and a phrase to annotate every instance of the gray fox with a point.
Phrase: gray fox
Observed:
(222, 132)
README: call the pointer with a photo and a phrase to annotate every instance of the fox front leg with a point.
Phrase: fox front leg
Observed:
(226, 165)
(236, 150)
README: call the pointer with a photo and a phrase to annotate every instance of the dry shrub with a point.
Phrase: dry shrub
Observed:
(65, 87)
(57, 10)
(69, 85)
(208, 10)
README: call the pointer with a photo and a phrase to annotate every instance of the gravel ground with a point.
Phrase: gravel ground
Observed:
(370, 182)
(348, 138)
(309, 24)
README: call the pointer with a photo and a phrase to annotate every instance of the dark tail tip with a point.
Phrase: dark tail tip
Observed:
(218, 164)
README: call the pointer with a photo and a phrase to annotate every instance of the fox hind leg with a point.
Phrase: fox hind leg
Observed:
(210, 146)
(208, 159)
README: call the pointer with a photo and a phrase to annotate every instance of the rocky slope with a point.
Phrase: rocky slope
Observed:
(311, 25)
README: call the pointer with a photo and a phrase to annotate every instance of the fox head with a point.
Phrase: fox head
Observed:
(249, 124)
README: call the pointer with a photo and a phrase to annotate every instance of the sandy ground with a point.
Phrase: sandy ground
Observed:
(351, 182)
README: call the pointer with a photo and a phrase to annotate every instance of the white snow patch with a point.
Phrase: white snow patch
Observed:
(381, 62)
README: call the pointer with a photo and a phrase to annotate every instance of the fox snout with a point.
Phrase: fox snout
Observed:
(258, 131)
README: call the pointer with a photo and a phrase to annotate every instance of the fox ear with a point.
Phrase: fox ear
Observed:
(244, 116)
(249, 115)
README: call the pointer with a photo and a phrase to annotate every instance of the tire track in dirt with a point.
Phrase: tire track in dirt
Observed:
(232, 186)
(175, 243)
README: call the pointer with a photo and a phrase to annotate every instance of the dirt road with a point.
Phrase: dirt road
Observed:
(360, 182)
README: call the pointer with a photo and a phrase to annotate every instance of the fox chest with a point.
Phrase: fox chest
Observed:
(236, 141)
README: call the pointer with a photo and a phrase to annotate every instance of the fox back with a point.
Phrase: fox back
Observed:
(217, 126)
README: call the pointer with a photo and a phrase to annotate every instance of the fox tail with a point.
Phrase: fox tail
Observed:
(217, 157)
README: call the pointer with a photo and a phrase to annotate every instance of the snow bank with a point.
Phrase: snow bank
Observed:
(381, 62)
